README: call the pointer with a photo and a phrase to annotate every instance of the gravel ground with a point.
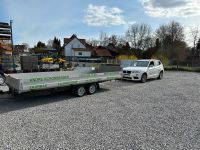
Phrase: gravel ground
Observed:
(160, 114)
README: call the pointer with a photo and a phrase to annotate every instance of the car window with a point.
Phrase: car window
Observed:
(140, 63)
(157, 63)
(151, 63)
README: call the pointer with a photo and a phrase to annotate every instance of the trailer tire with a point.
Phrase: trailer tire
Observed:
(80, 91)
(92, 88)
(2, 78)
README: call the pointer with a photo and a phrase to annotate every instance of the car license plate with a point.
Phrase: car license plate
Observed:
(126, 75)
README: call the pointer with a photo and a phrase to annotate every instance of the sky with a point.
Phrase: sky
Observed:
(41, 20)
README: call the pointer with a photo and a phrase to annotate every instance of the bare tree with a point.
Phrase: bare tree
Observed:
(194, 33)
(176, 31)
(121, 41)
(198, 48)
(104, 39)
(113, 40)
(170, 35)
(139, 36)
(173, 30)
(162, 32)
(93, 42)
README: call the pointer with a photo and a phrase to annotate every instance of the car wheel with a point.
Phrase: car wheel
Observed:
(144, 78)
(160, 75)
(80, 91)
(92, 88)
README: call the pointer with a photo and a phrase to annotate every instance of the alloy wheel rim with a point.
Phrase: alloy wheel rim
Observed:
(92, 89)
(1, 80)
(161, 75)
(81, 91)
(144, 78)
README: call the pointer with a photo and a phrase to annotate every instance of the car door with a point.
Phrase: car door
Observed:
(151, 69)
(157, 68)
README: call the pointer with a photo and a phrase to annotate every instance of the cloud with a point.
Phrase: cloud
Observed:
(103, 16)
(168, 4)
(171, 8)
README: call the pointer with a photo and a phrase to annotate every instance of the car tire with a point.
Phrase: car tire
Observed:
(160, 75)
(144, 78)
(91, 89)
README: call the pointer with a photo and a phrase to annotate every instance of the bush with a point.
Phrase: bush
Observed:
(127, 57)
(163, 59)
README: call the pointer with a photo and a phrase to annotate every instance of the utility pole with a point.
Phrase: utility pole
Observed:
(13, 54)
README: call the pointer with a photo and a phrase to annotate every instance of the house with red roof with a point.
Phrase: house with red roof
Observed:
(76, 48)
(101, 51)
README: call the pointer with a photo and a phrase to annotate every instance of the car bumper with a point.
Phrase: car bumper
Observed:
(135, 76)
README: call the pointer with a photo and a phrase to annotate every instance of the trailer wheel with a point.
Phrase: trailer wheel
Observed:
(80, 91)
(92, 88)
(2, 78)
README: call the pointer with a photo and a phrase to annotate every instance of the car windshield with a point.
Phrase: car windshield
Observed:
(140, 64)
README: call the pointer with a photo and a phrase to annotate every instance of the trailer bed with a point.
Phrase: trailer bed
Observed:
(25, 82)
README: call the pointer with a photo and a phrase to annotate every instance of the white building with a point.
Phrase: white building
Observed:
(76, 48)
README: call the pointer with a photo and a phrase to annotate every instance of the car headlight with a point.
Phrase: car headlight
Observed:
(135, 71)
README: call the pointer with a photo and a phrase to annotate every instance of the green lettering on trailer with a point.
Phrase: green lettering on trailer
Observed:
(39, 86)
(36, 79)
(55, 78)
(67, 77)
(49, 78)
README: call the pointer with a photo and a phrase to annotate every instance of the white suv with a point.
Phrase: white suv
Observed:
(141, 70)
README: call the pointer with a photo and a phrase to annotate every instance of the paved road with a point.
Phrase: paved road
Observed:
(160, 114)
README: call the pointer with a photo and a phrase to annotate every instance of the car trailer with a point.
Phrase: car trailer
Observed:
(80, 82)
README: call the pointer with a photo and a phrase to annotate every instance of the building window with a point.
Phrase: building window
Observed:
(80, 53)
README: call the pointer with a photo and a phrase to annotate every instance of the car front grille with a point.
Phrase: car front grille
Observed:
(126, 72)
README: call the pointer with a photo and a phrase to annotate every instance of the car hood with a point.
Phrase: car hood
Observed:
(144, 69)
